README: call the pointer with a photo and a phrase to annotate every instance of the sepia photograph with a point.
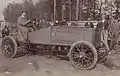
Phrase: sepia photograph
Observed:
(59, 38)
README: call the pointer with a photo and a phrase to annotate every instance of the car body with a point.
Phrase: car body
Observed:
(64, 35)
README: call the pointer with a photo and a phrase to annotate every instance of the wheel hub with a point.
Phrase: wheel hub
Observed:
(82, 54)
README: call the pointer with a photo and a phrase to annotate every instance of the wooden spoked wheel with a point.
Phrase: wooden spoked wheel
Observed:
(9, 47)
(83, 55)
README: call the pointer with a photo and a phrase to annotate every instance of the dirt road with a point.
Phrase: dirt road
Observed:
(42, 66)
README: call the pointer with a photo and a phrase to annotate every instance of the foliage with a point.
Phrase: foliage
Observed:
(44, 9)
(91, 9)
(11, 12)
(117, 3)
(38, 10)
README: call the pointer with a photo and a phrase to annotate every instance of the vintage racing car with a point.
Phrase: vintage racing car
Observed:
(82, 45)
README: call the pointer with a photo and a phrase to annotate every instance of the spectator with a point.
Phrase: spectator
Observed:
(5, 31)
(111, 22)
(105, 24)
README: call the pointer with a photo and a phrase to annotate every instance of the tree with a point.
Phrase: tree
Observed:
(29, 7)
(90, 7)
(11, 12)
(117, 3)
(45, 9)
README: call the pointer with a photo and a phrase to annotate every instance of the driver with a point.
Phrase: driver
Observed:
(22, 26)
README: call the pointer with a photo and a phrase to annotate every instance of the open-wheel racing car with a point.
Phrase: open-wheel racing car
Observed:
(82, 45)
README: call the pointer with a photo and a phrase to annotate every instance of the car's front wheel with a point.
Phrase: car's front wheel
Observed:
(9, 47)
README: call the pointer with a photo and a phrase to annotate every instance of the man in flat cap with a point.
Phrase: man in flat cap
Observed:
(22, 26)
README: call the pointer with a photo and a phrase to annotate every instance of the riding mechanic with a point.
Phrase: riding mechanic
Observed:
(89, 24)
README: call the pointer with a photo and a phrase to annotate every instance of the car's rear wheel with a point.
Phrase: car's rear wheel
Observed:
(83, 55)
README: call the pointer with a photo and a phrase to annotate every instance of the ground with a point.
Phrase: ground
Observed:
(42, 66)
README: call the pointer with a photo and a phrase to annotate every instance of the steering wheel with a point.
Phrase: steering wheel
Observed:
(32, 24)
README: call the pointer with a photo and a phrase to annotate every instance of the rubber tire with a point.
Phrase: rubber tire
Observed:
(15, 46)
(94, 52)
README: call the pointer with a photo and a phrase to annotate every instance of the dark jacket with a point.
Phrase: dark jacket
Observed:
(106, 25)
(99, 26)
(5, 31)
